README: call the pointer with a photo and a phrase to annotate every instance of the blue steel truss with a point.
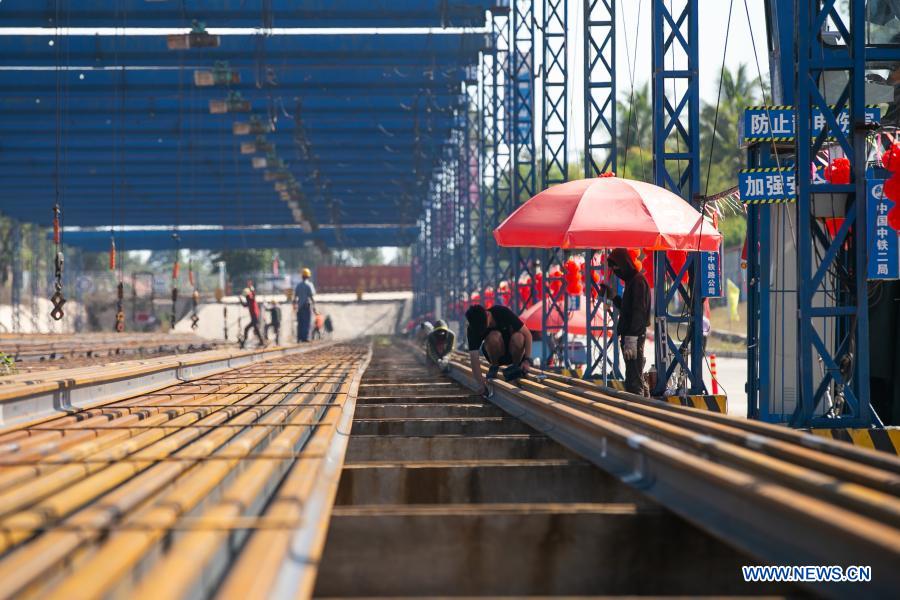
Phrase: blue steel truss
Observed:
(830, 376)
(554, 170)
(523, 151)
(599, 25)
(676, 151)
(502, 197)
(827, 308)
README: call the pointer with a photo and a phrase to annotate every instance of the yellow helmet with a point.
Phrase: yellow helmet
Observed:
(306, 272)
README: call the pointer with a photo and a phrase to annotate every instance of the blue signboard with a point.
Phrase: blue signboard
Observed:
(711, 274)
(768, 185)
(779, 123)
(884, 249)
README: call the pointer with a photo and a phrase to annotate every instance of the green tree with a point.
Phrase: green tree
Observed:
(719, 134)
(244, 263)
(634, 133)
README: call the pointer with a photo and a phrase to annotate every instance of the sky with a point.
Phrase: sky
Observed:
(712, 26)
(634, 32)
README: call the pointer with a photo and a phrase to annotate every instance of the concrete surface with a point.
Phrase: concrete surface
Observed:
(377, 314)
(40, 320)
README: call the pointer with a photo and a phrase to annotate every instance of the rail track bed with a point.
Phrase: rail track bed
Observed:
(183, 492)
(353, 470)
(443, 494)
(43, 352)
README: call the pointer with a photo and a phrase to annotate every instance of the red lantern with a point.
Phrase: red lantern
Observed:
(893, 217)
(832, 225)
(891, 158)
(892, 188)
(647, 263)
(677, 258)
(539, 286)
(504, 293)
(838, 172)
(555, 283)
(488, 297)
(573, 278)
(525, 291)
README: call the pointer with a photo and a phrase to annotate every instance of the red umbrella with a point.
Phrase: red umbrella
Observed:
(607, 212)
(531, 317)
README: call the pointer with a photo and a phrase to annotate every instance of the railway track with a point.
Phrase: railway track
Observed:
(43, 352)
(244, 483)
(153, 497)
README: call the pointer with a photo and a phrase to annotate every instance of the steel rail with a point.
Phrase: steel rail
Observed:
(755, 493)
(127, 503)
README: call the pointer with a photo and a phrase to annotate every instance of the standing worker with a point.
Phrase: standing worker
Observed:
(499, 335)
(439, 343)
(305, 305)
(274, 321)
(634, 317)
(248, 299)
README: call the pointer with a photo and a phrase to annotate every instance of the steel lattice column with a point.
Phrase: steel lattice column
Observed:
(555, 169)
(486, 160)
(472, 206)
(832, 305)
(676, 162)
(522, 117)
(502, 193)
(599, 157)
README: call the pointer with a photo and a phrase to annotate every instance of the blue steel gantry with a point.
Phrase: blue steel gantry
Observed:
(283, 133)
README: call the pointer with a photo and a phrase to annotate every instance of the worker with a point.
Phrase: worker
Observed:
(501, 337)
(425, 327)
(634, 317)
(304, 305)
(248, 299)
(274, 321)
(439, 343)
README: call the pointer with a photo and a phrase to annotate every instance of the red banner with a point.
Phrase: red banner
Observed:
(365, 279)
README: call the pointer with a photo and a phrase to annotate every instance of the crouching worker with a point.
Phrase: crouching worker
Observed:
(634, 317)
(439, 343)
(498, 335)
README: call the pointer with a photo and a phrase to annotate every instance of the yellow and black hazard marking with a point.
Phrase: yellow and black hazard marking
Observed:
(778, 139)
(770, 201)
(791, 107)
(713, 403)
(616, 384)
(768, 170)
(885, 440)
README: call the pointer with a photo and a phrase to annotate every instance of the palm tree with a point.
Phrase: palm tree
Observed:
(718, 133)
(635, 134)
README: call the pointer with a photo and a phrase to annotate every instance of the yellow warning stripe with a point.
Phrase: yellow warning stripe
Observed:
(769, 170)
(791, 107)
(771, 201)
(713, 403)
(884, 440)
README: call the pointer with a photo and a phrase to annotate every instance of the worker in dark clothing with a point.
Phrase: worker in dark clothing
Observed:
(248, 299)
(634, 317)
(274, 322)
(439, 343)
(501, 337)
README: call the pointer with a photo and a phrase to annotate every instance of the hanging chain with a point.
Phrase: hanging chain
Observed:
(120, 311)
(195, 296)
(57, 298)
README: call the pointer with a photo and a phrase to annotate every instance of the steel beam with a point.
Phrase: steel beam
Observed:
(676, 151)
